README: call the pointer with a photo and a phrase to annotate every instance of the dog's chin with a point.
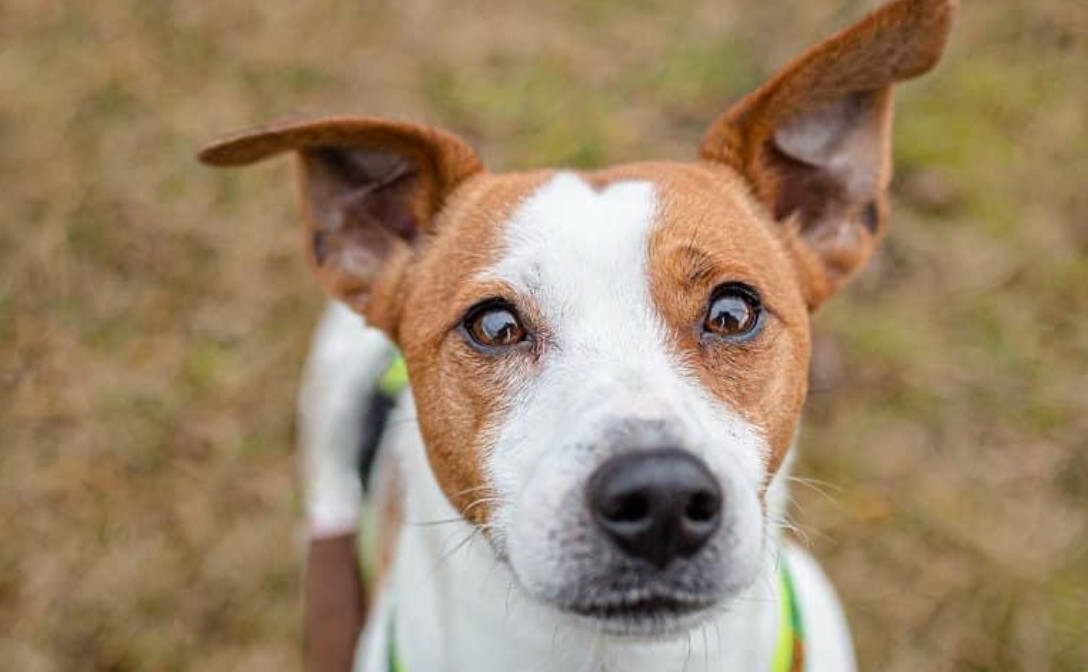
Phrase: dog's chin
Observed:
(651, 617)
(654, 610)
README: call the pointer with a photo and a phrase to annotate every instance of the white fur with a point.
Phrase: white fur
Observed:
(345, 362)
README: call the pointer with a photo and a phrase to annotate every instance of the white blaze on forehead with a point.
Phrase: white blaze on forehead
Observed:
(580, 256)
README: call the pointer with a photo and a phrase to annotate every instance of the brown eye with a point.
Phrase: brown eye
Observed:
(495, 326)
(734, 311)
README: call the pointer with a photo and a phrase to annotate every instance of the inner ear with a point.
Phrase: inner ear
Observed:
(831, 134)
(360, 199)
(831, 160)
(366, 208)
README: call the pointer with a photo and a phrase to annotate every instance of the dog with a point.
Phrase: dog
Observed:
(607, 371)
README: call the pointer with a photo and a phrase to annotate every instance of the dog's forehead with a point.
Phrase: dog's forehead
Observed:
(568, 233)
(560, 238)
(576, 233)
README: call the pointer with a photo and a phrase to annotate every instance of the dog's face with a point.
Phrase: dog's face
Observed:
(609, 367)
(574, 331)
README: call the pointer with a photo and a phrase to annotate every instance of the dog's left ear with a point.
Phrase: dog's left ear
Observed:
(815, 141)
(371, 190)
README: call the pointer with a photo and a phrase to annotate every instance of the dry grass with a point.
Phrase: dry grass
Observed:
(153, 314)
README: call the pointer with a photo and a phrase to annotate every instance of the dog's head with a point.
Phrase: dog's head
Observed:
(609, 367)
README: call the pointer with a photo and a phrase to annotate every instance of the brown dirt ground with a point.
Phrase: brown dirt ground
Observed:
(154, 314)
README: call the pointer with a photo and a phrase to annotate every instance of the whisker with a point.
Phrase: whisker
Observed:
(475, 488)
(434, 523)
(818, 486)
(482, 500)
(446, 555)
(785, 522)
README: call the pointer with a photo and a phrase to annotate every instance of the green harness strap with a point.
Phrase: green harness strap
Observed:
(395, 378)
(394, 661)
(789, 650)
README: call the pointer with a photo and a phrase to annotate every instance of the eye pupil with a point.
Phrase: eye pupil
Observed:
(498, 326)
(495, 327)
(733, 312)
(729, 313)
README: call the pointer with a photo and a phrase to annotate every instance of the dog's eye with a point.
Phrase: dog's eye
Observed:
(733, 312)
(494, 325)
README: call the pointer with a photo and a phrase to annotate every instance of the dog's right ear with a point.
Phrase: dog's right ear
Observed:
(370, 191)
(814, 143)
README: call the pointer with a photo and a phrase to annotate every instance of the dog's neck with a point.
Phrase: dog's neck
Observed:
(455, 604)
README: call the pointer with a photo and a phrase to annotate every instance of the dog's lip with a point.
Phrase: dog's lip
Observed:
(646, 607)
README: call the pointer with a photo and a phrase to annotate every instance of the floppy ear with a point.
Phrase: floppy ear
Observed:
(370, 191)
(815, 141)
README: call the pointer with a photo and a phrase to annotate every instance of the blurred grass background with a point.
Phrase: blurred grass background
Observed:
(154, 314)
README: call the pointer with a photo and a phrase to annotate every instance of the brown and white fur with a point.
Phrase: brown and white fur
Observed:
(493, 559)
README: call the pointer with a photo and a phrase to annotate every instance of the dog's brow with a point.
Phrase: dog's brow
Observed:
(700, 266)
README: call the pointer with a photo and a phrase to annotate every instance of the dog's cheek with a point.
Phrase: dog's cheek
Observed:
(750, 533)
(530, 533)
(549, 535)
(776, 399)
(457, 428)
(764, 385)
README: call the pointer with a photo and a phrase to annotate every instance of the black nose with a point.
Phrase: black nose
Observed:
(657, 505)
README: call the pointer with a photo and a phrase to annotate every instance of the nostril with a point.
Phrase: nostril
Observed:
(703, 507)
(629, 508)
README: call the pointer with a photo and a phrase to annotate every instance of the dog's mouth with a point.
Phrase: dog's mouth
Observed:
(649, 608)
(646, 615)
